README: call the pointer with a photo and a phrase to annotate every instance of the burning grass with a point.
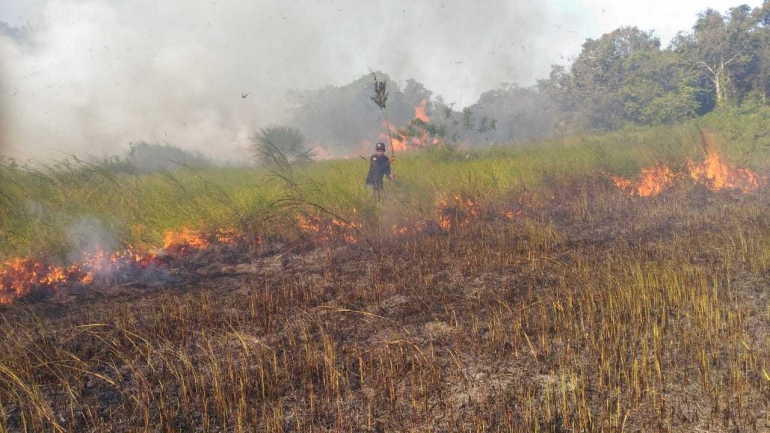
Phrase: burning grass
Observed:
(618, 321)
(522, 293)
(717, 175)
(712, 172)
(34, 278)
(22, 277)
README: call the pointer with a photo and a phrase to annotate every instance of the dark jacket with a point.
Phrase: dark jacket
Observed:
(379, 166)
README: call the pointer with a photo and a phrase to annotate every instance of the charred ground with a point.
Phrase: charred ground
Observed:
(590, 309)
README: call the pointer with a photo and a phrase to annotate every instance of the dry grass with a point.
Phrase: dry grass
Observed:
(592, 311)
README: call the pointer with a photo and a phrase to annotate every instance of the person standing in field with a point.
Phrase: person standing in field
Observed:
(379, 166)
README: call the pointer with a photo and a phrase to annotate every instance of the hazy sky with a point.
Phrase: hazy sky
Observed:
(93, 75)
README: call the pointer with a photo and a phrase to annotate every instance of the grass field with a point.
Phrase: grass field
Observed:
(510, 289)
(39, 205)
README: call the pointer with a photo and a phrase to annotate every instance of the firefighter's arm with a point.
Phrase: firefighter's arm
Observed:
(388, 171)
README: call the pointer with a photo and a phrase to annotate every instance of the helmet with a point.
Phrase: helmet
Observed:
(380, 146)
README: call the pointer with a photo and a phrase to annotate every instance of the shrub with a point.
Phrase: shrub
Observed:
(274, 142)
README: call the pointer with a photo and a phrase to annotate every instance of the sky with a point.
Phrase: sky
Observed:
(90, 76)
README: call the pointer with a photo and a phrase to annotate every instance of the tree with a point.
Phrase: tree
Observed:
(599, 72)
(625, 78)
(146, 157)
(511, 112)
(273, 142)
(721, 46)
(659, 88)
(343, 117)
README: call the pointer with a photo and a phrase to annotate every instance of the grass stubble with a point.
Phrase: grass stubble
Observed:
(589, 310)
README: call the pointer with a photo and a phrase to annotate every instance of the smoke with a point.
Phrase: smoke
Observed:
(89, 76)
(87, 239)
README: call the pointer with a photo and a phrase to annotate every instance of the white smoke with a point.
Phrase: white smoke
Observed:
(89, 76)
(88, 236)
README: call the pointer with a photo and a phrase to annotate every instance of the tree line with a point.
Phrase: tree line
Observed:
(625, 77)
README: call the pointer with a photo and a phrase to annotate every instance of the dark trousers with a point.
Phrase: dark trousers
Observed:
(376, 188)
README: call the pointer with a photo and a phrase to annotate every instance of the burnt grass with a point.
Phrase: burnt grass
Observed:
(588, 311)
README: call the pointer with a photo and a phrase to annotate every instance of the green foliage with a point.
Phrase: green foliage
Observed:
(443, 154)
(625, 78)
(38, 205)
(380, 93)
(613, 79)
(671, 107)
(274, 141)
(747, 130)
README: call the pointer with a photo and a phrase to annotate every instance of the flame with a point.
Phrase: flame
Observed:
(400, 230)
(327, 230)
(21, 276)
(622, 183)
(322, 152)
(184, 241)
(226, 236)
(652, 181)
(717, 175)
(309, 224)
(409, 229)
(87, 279)
(712, 172)
(457, 211)
(420, 111)
(393, 136)
(396, 135)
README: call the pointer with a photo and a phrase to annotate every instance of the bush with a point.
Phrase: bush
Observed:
(275, 142)
(147, 158)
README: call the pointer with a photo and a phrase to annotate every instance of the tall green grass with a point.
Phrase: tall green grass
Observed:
(39, 204)
(598, 311)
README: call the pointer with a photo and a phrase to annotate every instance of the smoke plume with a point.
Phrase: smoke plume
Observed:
(89, 76)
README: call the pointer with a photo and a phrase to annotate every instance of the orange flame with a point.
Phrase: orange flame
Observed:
(652, 182)
(400, 230)
(184, 241)
(400, 144)
(717, 175)
(20, 276)
(410, 229)
(420, 111)
(712, 172)
(397, 143)
(457, 211)
(326, 230)
(622, 183)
